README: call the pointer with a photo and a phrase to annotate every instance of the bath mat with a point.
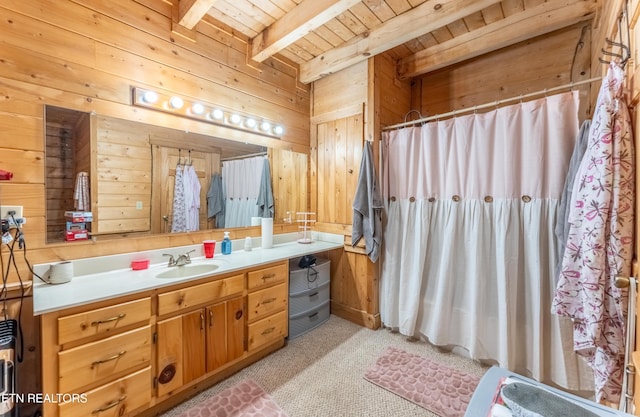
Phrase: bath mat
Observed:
(246, 399)
(433, 386)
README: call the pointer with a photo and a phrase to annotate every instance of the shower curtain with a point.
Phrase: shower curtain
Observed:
(241, 180)
(470, 249)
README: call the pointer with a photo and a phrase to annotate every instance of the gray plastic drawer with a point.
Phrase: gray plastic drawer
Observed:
(304, 279)
(302, 323)
(309, 299)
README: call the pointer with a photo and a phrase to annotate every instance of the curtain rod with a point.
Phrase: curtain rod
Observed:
(492, 104)
(244, 156)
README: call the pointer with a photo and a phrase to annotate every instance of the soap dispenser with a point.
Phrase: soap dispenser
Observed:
(226, 244)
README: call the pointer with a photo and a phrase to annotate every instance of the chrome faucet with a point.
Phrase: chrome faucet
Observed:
(182, 260)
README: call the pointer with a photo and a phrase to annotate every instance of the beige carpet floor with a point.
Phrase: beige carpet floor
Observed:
(320, 374)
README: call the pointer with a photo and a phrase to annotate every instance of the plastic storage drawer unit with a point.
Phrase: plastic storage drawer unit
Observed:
(309, 295)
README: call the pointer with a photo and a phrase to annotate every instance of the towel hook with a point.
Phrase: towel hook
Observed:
(412, 111)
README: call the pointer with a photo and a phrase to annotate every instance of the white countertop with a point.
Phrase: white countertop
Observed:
(107, 277)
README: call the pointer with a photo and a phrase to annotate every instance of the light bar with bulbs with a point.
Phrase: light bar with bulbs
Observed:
(210, 113)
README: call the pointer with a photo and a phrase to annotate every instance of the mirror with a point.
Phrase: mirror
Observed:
(131, 170)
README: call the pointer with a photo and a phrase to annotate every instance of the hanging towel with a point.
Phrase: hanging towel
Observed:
(265, 195)
(192, 189)
(179, 219)
(215, 200)
(81, 197)
(600, 242)
(367, 207)
(562, 220)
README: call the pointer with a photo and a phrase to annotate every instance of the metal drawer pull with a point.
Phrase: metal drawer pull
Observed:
(109, 320)
(109, 405)
(267, 331)
(269, 300)
(210, 318)
(109, 359)
(268, 276)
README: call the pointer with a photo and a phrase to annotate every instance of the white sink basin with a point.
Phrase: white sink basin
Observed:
(187, 271)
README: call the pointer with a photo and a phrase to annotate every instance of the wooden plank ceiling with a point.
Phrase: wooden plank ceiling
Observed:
(325, 36)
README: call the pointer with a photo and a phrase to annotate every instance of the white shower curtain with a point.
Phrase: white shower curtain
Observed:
(470, 249)
(241, 181)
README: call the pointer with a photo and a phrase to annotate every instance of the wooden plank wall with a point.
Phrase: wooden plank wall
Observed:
(349, 107)
(289, 196)
(86, 58)
(60, 169)
(123, 177)
(552, 60)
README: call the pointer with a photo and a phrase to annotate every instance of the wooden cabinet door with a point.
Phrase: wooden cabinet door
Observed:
(225, 332)
(216, 336)
(193, 345)
(236, 316)
(169, 355)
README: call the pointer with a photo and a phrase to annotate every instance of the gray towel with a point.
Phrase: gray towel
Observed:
(265, 196)
(215, 200)
(367, 207)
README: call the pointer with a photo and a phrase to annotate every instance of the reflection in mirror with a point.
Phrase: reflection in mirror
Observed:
(132, 168)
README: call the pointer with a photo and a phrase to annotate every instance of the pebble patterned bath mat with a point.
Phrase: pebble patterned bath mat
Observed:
(246, 399)
(433, 386)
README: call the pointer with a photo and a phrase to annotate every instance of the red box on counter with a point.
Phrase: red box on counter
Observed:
(71, 235)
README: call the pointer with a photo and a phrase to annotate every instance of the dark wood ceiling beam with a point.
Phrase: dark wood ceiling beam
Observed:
(297, 23)
(539, 20)
(418, 21)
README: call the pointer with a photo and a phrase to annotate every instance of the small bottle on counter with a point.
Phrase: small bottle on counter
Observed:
(226, 244)
(248, 244)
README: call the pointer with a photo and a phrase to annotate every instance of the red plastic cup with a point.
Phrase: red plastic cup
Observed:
(209, 248)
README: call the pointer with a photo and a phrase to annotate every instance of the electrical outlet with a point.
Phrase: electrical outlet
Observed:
(15, 221)
(5, 210)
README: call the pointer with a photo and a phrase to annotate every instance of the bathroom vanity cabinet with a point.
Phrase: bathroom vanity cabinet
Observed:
(135, 354)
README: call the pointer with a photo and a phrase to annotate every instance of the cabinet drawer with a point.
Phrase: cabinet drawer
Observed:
(103, 320)
(267, 330)
(267, 276)
(184, 298)
(94, 361)
(264, 302)
(309, 299)
(114, 399)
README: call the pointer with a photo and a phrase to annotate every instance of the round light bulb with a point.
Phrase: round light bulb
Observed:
(176, 103)
(235, 118)
(217, 114)
(265, 126)
(278, 130)
(150, 97)
(197, 108)
(250, 123)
